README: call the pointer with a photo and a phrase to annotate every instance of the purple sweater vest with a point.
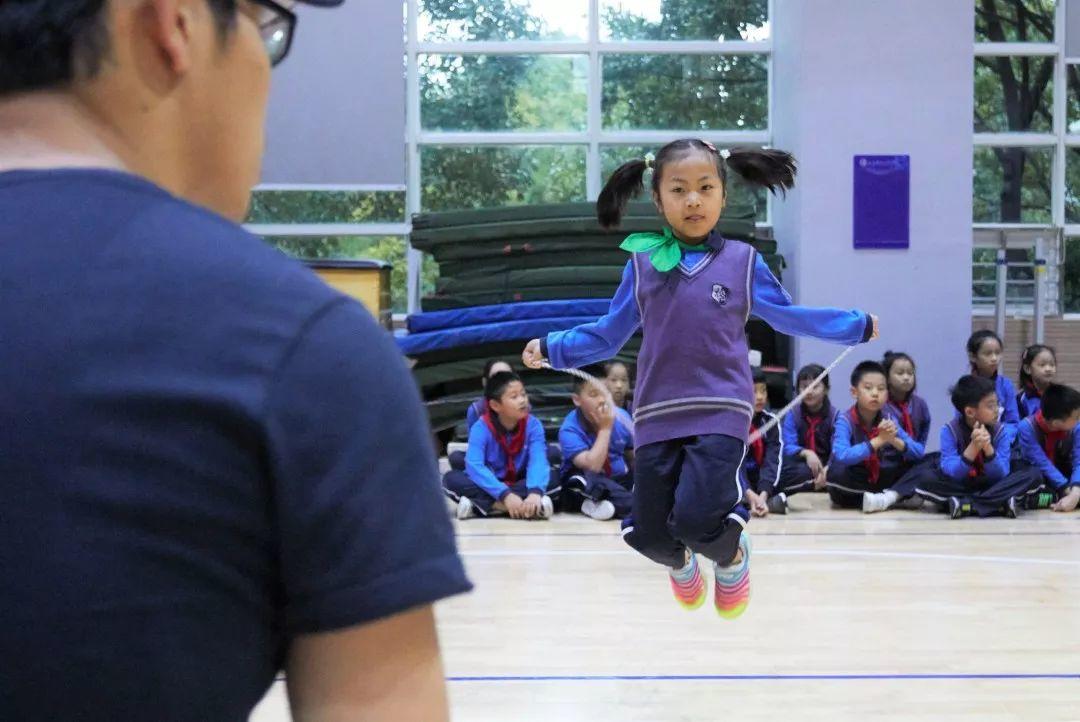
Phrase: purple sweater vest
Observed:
(693, 373)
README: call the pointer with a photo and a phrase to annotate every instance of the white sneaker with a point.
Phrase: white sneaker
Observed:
(599, 510)
(547, 509)
(465, 509)
(451, 506)
(873, 502)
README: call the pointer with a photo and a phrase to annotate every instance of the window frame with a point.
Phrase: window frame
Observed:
(594, 136)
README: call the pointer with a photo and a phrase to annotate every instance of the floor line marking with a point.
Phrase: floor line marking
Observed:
(779, 553)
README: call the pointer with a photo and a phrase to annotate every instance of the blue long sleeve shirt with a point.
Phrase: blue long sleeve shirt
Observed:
(793, 442)
(1033, 452)
(601, 339)
(846, 453)
(955, 466)
(485, 460)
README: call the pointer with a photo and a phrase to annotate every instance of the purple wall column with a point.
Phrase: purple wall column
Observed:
(337, 103)
(853, 77)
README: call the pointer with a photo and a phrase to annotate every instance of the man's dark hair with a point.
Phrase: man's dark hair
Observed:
(597, 372)
(1059, 402)
(47, 44)
(865, 368)
(970, 391)
(496, 385)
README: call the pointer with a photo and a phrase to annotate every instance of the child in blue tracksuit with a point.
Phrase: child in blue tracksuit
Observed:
(1038, 366)
(478, 407)
(807, 435)
(761, 468)
(870, 449)
(506, 465)
(596, 446)
(984, 353)
(908, 408)
(975, 475)
(691, 291)
(1050, 442)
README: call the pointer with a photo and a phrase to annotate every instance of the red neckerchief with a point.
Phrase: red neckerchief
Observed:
(758, 447)
(909, 427)
(511, 448)
(812, 422)
(872, 463)
(1032, 391)
(1050, 437)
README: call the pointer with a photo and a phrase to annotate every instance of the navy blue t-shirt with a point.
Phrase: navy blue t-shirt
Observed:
(204, 451)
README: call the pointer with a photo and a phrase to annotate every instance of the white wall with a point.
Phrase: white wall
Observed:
(855, 77)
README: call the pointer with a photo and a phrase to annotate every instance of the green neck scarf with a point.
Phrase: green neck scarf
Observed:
(664, 249)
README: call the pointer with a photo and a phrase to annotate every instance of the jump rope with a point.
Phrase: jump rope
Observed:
(758, 433)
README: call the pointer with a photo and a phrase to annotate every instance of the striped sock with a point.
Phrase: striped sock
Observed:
(732, 588)
(688, 585)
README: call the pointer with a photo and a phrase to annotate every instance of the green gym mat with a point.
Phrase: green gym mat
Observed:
(503, 214)
(481, 281)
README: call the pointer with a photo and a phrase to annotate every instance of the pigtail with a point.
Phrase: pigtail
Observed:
(626, 183)
(765, 167)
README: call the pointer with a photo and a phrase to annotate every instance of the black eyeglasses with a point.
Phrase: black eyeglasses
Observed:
(276, 25)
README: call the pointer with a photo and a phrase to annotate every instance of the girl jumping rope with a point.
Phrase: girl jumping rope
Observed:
(691, 292)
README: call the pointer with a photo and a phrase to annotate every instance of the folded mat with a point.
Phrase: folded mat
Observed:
(421, 322)
(474, 250)
(508, 293)
(477, 282)
(543, 293)
(508, 224)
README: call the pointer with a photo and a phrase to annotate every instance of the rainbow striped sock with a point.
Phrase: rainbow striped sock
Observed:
(688, 585)
(732, 590)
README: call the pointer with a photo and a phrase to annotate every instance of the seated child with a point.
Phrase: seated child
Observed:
(984, 353)
(506, 466)
(1050, 442)
(617, 378)
(595, 447)
(479, 407)
(1038, 366)
(905, 406)
(762, 463)
(869, 447)
(974, 475)
(807, 437)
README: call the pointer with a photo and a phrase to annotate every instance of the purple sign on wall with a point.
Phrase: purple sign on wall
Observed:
(882, 207)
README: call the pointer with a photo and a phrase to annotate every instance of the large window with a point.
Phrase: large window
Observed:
(321, 222)
(536, 101)
(1027, 138)
(525, 101)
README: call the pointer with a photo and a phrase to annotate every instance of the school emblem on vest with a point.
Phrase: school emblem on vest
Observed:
(720, 294)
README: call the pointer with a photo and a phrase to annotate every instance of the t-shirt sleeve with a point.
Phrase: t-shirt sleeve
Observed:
(571, 442)
(363, 529)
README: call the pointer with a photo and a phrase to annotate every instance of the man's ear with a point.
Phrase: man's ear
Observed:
(171, 26)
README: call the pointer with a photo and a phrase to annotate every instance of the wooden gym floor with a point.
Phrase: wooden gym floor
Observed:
(895, 616)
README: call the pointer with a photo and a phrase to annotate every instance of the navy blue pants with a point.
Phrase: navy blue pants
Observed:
(580, 485)
(795, 477)
(688, 493)
(457, 484)
(985, 496)
(847, 484)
